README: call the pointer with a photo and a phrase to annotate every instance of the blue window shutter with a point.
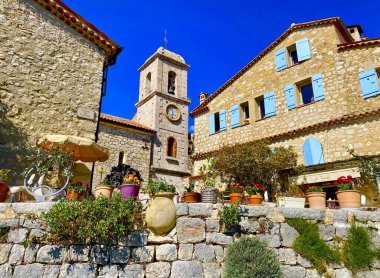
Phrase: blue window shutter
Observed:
(290, 96)
(303, 49)
(235, 116)
(269, 104)
(212, 123)
(312, 151)
(369, 84)
(281, 62)
(222, 120)
(318, 89)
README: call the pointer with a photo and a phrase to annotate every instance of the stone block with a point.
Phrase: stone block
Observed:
(185, 252)
(78, 270)
(289, 234)
(182, 209)
(186, 269)
(273, 241)
(327, 232)
(339, 215)
(36, 270)
(157, 270)
(100, 254)
(131, 271)
(78, 253)
(108, 271)
(255, 211)
(219, 252)
(204, 252)
(343, 273)
(135, 239)
(12, 223)
(211, 270)
(276, 216)
(200, 209)
(366, 216)
(37, 234)
(287, 256)
(119, 255)
(304, 213)
(218, 238)
(152, 238)
(35, 224)
(249, 226)
(143, 254)
(368, 274)
(18, 235)
(17, 254)
(166, 252)
(6, 271)
(312, 273)
(212, 225)
(30, 253)
(341, 229)
(375, 235)
(190, 230)
(51, 254)
(293, 271)
(27, 208)
(5, 249)
(303, 261)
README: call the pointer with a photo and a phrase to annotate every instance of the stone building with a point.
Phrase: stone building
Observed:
(315, 88)
(52, 63)
(155, 141)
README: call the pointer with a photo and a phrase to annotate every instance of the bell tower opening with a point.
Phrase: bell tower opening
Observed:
(171, 82)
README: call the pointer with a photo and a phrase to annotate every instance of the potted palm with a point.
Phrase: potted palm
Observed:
(347, 196)
(236, 194)
(208, 177)
(76, 191)
(316, 197)
(3, 184)
(189, 196)
(255, 193)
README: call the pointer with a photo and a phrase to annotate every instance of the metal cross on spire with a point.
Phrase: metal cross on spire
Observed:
(166, 40)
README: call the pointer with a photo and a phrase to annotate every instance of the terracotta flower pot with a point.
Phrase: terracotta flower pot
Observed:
(190, 197)
(255, 199)
(317, 200)
(235, 197)
(73, 195)
(105, 190)
(348, 198)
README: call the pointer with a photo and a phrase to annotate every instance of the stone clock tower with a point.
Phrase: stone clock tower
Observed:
(163, 106)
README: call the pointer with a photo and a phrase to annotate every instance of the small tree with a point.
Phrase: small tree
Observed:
(256, 162)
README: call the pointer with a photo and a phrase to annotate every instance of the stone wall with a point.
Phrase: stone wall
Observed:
(195, 248)
(47, 72)
(135, 144)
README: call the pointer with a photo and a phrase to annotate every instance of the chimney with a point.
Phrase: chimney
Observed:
(356, 32)
(202, 97)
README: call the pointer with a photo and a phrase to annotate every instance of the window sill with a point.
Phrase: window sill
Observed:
(171, 158)
(262, 119)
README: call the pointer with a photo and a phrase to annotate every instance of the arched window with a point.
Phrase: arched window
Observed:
(172, 147)
(121, 158)
(312, 152)
(148, 82)
(171, 82)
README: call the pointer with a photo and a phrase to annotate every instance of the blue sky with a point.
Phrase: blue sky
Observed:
(216, 38)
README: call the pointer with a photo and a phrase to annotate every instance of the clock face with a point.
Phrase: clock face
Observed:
(172, 112)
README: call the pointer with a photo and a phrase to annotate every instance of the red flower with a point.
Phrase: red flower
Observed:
(349, 177)
(336, 183)
(259, 186)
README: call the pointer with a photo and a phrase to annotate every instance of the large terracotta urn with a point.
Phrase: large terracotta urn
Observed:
(161, 213)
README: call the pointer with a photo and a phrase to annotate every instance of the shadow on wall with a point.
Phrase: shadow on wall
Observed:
(13, 146)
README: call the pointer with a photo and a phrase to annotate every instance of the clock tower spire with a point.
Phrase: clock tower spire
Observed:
(163, 106)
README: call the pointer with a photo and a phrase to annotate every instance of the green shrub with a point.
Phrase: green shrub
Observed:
(251, 258)
(154, 187)
(311, 246)
(357, 251)
(230, 215)
(101, 220)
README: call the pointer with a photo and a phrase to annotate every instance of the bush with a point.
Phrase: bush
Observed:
(357, 251)
(230, 215)
(101, 220)
(251, 258)
(154, 187)
(309, 245)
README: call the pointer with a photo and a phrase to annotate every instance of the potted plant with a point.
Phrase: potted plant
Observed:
(105, 188)
(131, 186)
(230, 217)
(316, 197)
(159, 188)
(347, 196)
(255, 193)
(208, 177)
(3, 184)
(236, 194)
(293, 198)
(76, 191)
(189, 195)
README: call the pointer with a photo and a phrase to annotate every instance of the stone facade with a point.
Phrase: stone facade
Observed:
(195, 248)
(343, 119)
(48, 71)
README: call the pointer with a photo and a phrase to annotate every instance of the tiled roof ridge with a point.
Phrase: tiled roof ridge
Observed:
(83, 27)
(332, 20)
(341, 119)
(373, 41)
(124, 121)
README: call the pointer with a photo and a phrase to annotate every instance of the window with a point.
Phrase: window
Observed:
(292, 55)
(172, 147)
(312, 151)
(148, 82)
(217, 121)
(266, 105)
(369, 83)
(306, 92)
(244, 107)
(261, 107)
(171, 82)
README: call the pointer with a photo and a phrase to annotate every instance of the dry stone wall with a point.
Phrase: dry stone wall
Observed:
(195, 248)
(47, 72)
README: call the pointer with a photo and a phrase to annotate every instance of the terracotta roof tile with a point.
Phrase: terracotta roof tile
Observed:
(125, 122)
(374, 41)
